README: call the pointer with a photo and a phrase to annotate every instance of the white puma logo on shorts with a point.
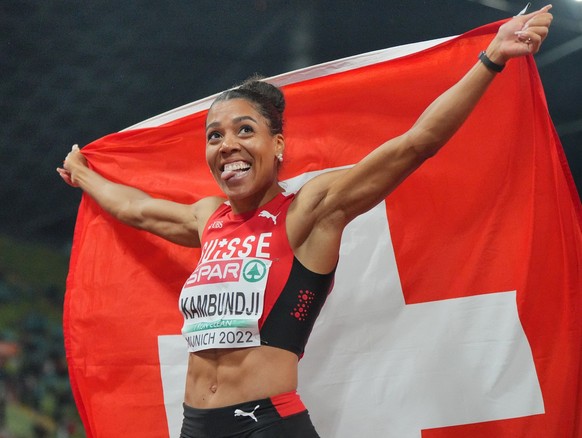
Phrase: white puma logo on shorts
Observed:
(241, 413)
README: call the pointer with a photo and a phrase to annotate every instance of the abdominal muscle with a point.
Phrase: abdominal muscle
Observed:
(223, 377)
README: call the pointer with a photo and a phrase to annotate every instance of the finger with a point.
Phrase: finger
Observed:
(533, 17)
(539, 11)
(65, 176)
(541, 31)
(530, 40)
(532, 34)
(535, 44)
(543, 20)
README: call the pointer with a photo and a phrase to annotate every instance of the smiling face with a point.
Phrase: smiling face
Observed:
(241, 153)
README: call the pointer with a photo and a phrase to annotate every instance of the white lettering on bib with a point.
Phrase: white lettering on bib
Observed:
(222, 302)
(250, 246)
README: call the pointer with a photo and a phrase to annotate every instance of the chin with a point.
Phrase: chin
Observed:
(234, 193)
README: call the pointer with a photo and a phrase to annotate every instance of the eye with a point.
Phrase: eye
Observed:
(246, 129)
(213, 136)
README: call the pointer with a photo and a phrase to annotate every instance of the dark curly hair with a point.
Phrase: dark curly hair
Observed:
(267, 99)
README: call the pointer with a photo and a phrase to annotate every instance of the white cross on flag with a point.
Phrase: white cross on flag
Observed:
(456, 306)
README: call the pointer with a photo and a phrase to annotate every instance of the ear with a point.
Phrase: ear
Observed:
(279, 144)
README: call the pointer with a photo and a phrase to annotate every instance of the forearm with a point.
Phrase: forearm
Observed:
(518, 37)
(172, 221)
(439, 122)
(118, 200)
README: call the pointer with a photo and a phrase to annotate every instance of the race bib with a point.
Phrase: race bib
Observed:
(222, 303)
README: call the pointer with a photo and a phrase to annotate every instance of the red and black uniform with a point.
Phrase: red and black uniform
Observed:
(292, 299)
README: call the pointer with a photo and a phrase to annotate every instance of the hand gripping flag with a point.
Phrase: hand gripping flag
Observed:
(456, 309)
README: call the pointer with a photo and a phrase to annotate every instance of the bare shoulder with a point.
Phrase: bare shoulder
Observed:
(176, 222)
(204, 208)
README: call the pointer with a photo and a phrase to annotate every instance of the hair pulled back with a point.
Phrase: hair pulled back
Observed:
(266, 98)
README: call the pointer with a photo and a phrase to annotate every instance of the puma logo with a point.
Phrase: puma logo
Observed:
(268, 215)
(241, 413)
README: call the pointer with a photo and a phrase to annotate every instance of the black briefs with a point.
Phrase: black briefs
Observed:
(281, 416)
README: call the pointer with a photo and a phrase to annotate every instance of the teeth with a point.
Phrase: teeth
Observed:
(238, 165)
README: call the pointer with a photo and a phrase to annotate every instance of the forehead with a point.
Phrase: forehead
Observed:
(227, 110)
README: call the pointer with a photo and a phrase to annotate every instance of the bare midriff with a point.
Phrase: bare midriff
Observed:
(224, 377)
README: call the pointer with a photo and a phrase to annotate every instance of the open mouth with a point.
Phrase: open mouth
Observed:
(235, 169)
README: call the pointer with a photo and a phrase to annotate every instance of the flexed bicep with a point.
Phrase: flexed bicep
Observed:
(175, 222)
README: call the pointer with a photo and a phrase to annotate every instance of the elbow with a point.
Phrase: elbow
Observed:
(426, 151)
(129, 216)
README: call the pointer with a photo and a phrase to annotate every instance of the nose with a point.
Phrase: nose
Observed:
(228, 145)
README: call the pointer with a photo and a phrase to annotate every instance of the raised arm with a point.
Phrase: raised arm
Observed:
(178, 223)
(367, 183)
(329, 202)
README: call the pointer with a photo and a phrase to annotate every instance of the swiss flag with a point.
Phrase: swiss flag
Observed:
(456, 309)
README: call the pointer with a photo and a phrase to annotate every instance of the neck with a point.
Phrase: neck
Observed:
(252, 203)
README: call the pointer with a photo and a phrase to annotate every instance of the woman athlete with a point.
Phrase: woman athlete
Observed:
(243, 326)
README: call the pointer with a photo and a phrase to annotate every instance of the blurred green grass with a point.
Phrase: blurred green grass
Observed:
(32, 264)
(37, 396)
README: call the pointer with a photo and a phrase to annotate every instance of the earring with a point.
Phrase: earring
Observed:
(279, 157)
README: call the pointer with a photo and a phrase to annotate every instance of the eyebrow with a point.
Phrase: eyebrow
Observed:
(235, 120)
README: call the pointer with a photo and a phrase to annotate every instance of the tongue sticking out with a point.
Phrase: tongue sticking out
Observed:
(234, 169)
(227, 174)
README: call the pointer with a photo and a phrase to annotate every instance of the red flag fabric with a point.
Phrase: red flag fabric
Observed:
(456, 310)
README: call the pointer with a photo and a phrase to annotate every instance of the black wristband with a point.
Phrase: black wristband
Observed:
(497, 68)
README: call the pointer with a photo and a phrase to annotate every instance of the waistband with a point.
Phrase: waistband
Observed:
(240, 418)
